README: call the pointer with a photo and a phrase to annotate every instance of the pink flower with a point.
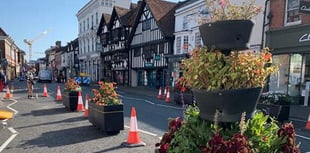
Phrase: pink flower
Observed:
(222, 3)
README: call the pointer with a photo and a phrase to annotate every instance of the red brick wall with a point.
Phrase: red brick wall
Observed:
(305, 18)
(277, 9)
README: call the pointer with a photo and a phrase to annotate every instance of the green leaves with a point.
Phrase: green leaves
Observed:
(212, 70)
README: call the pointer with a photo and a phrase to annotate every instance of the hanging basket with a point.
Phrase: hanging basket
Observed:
(227, 35)
(230, 104)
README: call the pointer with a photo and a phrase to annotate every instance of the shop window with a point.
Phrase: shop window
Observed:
(292, 16)
(279, 81)
(295, 75)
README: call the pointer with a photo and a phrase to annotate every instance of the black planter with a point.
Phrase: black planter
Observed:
(187, 97)
(70, 100)
(279, 112)
(227, 35)
(109, 119)
(229, 103)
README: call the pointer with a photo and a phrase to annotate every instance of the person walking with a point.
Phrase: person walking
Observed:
(2, 80)
(30, 82)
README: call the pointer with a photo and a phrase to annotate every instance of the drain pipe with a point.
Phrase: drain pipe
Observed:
(264, 24)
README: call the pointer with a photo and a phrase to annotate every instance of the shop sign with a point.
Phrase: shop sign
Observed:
(304, 37)
(157, 57)
(304, 7)
(148, 64)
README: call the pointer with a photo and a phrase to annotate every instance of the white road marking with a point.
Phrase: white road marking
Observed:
(7, 142)
(142, 131)
(15, 111)
(170, 106)
(304, 137)
(149, 102)
(132, 98)
(11, 129)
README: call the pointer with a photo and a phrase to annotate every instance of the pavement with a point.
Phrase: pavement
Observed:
(40, 126)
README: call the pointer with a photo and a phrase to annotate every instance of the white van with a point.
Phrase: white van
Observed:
(45, 75)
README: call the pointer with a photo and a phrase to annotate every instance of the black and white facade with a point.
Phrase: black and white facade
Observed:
(152, 39)
(116, 49)
(90, 48)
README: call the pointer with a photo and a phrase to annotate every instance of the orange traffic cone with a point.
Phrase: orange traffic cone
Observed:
(159, 93)
(80, 107)
(133, 136)
(308, 123)
(45, 94)
(8, 94)
(86, 106)
(59, 97)
(168, 100)
(165, 93)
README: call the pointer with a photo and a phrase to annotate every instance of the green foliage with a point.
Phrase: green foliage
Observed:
(193, 132)
(261, 131)
(106, 94)
(212, 70)
(220, 10)
(259, 134)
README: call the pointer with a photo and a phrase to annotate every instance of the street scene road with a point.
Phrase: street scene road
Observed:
(43, 124)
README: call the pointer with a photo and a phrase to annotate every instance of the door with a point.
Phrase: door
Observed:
(295, 75)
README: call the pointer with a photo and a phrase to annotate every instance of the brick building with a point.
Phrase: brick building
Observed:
(288, 35)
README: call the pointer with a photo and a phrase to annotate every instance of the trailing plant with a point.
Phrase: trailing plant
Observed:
(219, 10)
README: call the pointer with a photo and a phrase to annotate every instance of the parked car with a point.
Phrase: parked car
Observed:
(45, 75)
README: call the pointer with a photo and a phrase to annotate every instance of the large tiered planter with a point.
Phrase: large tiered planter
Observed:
(109, 119)
(229, 104)
(70, 100)
(227, 35)
(279, 112)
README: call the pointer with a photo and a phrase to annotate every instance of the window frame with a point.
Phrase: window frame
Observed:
(286, 23)
(178, 42)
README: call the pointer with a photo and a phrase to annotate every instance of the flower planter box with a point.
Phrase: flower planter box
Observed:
(279, 112)
(229, 103)
(109, 119)
(70, 100)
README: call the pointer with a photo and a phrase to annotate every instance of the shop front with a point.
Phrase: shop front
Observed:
(175, 66)
(291, 52)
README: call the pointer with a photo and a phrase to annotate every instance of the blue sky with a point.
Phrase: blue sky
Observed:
(26, 19)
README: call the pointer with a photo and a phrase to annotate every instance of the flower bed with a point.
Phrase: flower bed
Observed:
(259, 134)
